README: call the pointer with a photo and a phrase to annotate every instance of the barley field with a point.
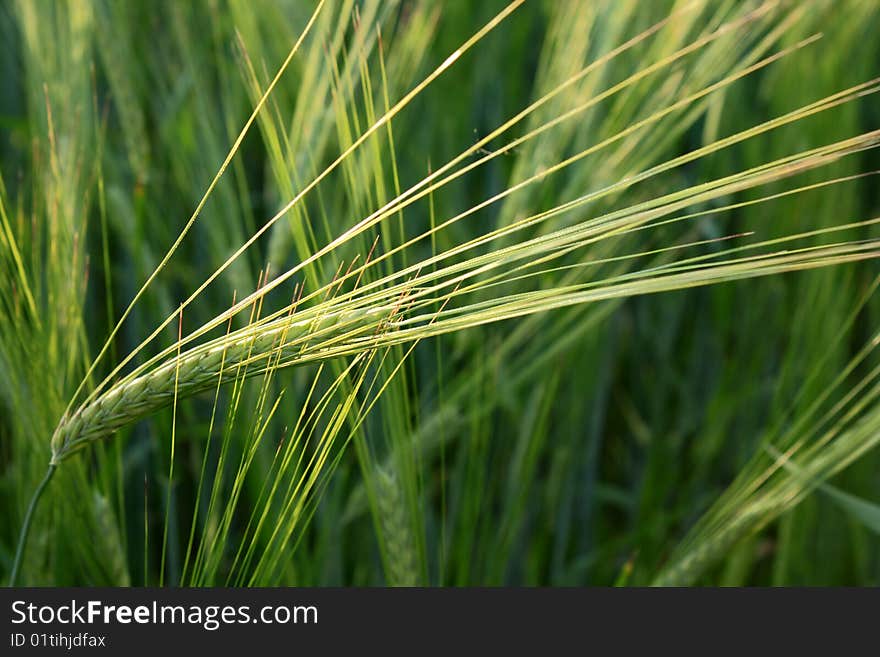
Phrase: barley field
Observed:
(416, 293)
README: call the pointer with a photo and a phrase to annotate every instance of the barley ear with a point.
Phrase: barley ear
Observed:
(396, 534)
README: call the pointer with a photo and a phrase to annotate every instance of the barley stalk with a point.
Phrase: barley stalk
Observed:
(26, 524)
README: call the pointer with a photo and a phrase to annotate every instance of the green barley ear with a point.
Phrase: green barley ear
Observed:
(204, 368)
(107, 533)
(398, 544)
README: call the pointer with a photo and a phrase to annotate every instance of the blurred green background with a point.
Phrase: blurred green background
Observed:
(617, 442)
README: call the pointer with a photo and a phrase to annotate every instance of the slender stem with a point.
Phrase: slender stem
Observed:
(25, 528)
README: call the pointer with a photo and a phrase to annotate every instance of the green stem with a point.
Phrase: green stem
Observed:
(25, 528)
